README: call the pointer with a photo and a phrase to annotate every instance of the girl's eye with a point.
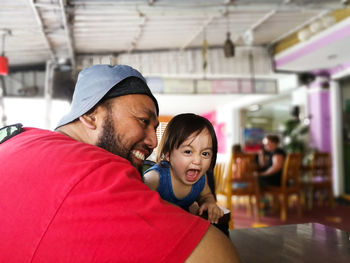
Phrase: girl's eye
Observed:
(206, 154)
(187, 151)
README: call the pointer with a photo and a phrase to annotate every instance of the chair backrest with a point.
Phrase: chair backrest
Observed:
(291, 171)
(239, 174)
(243, 166)
(321, 165)
(219, 172)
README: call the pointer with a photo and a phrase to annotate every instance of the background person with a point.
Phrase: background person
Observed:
(188, 149)
(74, 195)
(237, 148)
(271, 161)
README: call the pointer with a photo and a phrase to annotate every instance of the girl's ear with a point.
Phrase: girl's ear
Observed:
(167, 157)
(89, 120)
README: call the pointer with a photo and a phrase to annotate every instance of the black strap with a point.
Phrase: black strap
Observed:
(10, 131)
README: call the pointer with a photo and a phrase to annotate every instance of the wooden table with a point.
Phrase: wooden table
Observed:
(309, 242)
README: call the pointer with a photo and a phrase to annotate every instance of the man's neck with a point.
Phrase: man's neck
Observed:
(76, 131)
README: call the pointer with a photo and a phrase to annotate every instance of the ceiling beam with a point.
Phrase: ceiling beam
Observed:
(197, 32)
(138, 36)
(42, 29)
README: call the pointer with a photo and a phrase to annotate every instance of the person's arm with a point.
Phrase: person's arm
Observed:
(261, 158)
(277, 165)
(151, 179)
(214, 247)
(207, 202)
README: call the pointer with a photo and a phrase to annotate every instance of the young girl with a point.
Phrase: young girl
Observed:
(186, 152)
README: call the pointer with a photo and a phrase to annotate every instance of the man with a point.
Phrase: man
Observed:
(63, 199)
(271, 161)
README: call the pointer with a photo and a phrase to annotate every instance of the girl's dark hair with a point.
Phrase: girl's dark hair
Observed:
(180, 128)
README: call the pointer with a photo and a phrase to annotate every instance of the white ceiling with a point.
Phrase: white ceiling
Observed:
(327, 50)
(66, 29)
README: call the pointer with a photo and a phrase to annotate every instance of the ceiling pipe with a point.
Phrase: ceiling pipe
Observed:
(198, 32)
(68, 31)
(140, 32)
(197, 8)
(42, 30)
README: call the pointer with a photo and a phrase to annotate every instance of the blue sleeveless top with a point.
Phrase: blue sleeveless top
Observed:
(165, 188)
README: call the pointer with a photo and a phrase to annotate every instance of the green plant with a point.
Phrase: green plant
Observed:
(295, 136)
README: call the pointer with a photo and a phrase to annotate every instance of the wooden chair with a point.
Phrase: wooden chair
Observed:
(219, 171)
(320, 180)
(238, 180)
(290, 185)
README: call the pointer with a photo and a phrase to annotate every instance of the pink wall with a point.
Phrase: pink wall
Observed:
(219, 130)
(320, 124)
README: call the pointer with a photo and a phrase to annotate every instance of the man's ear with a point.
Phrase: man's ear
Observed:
(89, 120)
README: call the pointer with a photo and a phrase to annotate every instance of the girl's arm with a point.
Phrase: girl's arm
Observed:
(206, 196)
(207, 202)
(151, 179)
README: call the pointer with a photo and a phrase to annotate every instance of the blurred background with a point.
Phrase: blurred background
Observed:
(250, 67)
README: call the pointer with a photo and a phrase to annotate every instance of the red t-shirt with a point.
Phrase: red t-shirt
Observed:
(66, 201)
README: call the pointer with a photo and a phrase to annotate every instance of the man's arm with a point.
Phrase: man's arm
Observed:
(214, 247)
(261, 158)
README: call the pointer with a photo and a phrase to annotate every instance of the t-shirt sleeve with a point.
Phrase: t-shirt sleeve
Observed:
(279, 151)
(111, 216)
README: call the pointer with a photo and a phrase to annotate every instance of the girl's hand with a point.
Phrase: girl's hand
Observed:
(214, 212)
(194, 208)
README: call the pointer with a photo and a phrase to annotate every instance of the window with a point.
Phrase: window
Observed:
(163, 122)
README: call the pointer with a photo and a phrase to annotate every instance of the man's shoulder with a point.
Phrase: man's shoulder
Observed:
(37, 134)
(64, 149)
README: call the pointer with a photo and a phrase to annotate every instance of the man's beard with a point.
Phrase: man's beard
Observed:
(110, 141)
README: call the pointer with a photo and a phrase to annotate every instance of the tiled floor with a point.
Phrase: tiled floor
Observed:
(338, 217)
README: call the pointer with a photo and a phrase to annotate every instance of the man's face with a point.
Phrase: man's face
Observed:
(129, 128)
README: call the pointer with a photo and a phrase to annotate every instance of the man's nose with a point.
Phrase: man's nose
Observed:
(151, 138)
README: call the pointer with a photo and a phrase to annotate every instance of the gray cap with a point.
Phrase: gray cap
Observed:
(93, 84)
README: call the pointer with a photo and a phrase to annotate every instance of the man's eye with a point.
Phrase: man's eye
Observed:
(145, 121)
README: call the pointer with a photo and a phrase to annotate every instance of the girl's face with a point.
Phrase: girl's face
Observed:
(192, 159)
